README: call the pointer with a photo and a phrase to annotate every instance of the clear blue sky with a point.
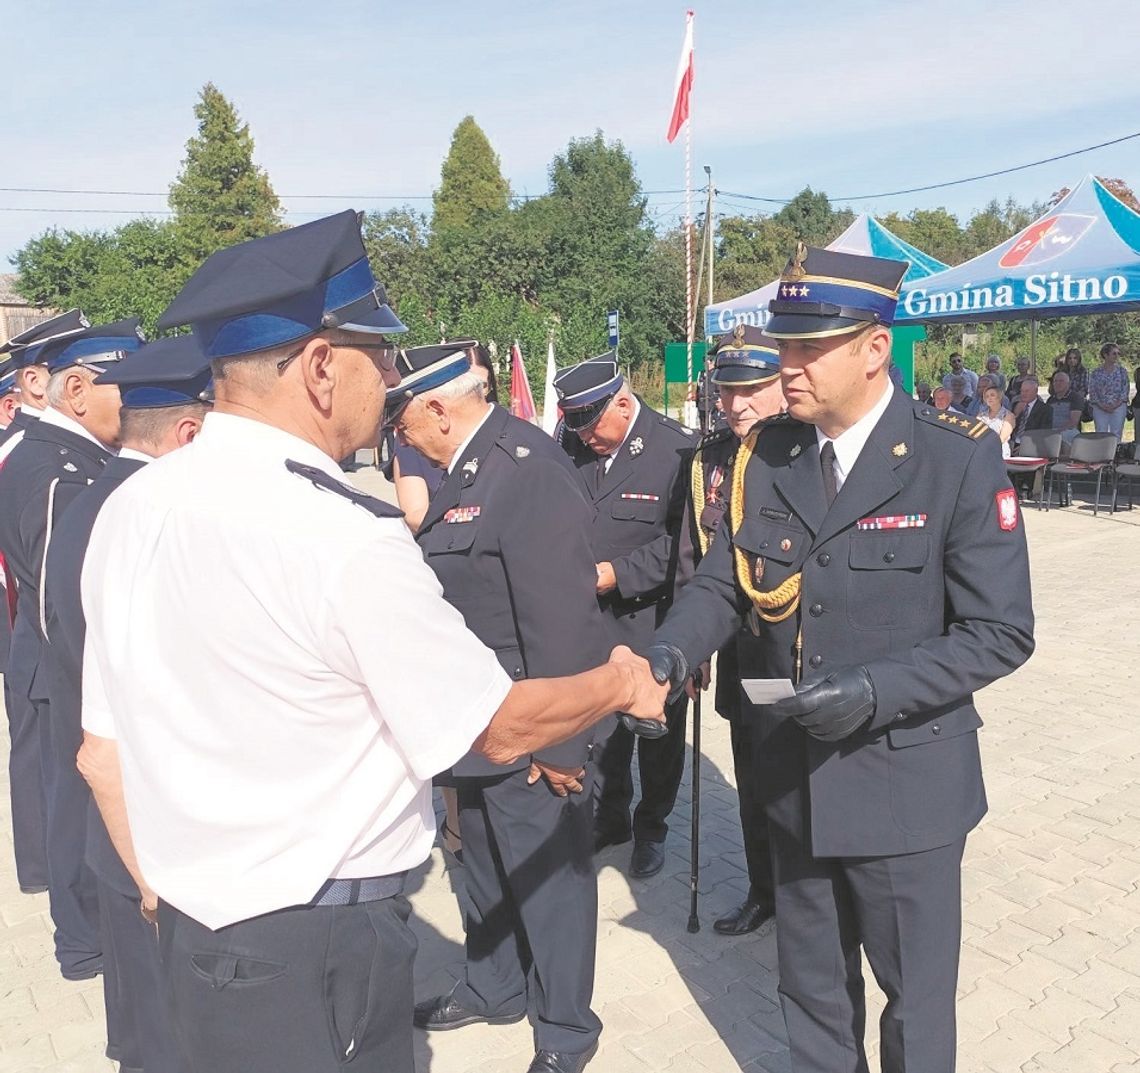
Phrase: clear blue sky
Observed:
(353, 98)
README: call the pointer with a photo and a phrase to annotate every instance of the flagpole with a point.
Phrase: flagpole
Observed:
(688, 242)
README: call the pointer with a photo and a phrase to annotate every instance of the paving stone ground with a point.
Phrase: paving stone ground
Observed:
(1050, 972)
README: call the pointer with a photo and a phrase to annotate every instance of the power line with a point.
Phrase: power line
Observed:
(952, 182)
(282, 197)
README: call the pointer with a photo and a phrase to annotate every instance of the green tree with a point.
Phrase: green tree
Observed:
(472, 187)
(220, 196)
(397, 245)
(810, 217)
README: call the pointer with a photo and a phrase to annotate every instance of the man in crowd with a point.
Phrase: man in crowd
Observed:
(1029, 412)
(164, 388)
(58, 455)
(631, 464)
(958, 368)
(508, 536)
(940, 398)
(888, 604)
(746, 372)
(1065, 407)
(277, 754)
(922, 392)
(959, 400)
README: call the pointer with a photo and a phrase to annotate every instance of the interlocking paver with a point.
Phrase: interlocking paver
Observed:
(1050, 972)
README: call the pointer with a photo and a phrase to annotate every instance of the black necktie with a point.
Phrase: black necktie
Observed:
(827, 465)
(600, 472)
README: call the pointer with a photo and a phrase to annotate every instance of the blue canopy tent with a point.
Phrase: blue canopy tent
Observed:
(1081, 257)
(865, 236)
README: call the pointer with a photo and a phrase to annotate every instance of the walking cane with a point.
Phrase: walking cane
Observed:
(695, 838)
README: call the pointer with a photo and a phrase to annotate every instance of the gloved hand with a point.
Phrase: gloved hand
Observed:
(834, 708)
(668, 665)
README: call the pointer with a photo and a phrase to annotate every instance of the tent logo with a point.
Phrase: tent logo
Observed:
(1046, 239)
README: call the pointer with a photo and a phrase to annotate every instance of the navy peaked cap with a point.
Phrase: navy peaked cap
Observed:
(167, 372)
(95, 347)
(584, 390)
(745, 356)
(275, 290)
(26, 345)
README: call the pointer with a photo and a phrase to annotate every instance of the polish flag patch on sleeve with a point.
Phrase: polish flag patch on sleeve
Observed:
(1006, 509)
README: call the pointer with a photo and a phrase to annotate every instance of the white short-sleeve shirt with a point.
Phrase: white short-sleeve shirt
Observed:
(281, 673)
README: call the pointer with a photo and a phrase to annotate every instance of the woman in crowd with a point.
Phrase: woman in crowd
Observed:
(1078, 374)
(1108, 392)
(978, 405)
(995, 414)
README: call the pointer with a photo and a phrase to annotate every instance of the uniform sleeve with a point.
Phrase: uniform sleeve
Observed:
(989, 610)
(551, 579)
(435, 685)
(648, 567)
(709, 610)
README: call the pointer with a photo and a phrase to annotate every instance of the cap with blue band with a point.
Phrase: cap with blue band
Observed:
(167, 372)
(92, 348)
(584, 390)
(745, 357)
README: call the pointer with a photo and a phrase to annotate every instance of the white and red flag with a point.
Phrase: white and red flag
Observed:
(683, 86)
(522, 400)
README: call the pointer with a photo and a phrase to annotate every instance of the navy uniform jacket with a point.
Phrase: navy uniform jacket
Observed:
(507, 534)
(638, 516)
(934, 611)
(38, 481)
(63, 656)
(21, 421)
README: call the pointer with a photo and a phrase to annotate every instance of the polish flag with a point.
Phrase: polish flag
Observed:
(522, 401)
(550, 412)
(683, 85)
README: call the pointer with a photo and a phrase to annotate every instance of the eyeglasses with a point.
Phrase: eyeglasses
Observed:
(386, 353)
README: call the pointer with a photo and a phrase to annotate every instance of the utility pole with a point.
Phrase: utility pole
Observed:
(711, 226)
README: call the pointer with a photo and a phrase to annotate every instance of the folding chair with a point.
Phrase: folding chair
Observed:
(1128, 469)
(1090, 452)
(1038, 451)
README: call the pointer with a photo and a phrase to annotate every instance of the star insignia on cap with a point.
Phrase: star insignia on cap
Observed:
(795, 451)
(471, 467)
(636, 446)
(899, 450)
(521, 452)
(803, 291)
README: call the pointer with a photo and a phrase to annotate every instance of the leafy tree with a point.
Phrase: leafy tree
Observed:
(810, 217)
(472, 187)
(220, 196)
(397, 245)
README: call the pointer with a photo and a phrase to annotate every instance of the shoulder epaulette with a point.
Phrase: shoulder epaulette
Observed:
(330, 484)
(970, 427)
(675, 425)
(716, 436)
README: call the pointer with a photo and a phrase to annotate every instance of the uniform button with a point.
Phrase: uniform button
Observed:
(816, 660)
(936, 728)
(763, 544)
(517, 673)
(815, 610)
(823, 558)
(899, 715)
(889, 557)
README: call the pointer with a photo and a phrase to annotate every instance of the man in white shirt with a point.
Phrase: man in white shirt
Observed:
(304, 676)
(958, 368)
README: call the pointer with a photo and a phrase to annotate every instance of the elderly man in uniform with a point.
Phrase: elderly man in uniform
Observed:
(887, 601)
(631, 464)
(746, 372)
(57, 457)
(276, 756)
(165, 393)
(508, 536)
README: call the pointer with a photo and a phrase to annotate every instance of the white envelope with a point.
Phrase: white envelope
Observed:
(768, 690)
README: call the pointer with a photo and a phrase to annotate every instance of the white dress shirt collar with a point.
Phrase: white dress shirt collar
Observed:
(52, 416)
(470, 436)
(131, 454)
(246, 436)
(850, 443)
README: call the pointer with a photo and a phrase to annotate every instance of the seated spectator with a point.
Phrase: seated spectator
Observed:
(941, 398)
(922, 392)
(1066, 406)
(1078, 374)
(995, 414)
(979, 403)
(959, 399)
(1013, 388)
(993, 371)
(1029, 411)
(958, 369)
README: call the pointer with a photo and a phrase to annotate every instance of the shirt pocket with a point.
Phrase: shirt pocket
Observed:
(635, 510)
(452, 537)
(888, 578)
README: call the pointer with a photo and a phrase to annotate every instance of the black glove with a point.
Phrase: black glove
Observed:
(834, 708)
(668, 665)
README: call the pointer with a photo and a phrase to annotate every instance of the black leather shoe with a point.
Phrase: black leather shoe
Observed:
(561, 1061)
(444, 1012)
(610, 838)
(744, 918)
(648, 859)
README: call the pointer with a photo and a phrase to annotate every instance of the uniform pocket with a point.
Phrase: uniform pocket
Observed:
(453, 537)
(771, 540)
(228, 970)
(887, 580)
(635, 510)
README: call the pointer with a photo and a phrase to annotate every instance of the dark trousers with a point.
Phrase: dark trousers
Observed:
(303, 990)
(753, 815)
(529, 873)
(140, 1029)
(661, 762)
(905, 913)
(72, 887)
(26, 785)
